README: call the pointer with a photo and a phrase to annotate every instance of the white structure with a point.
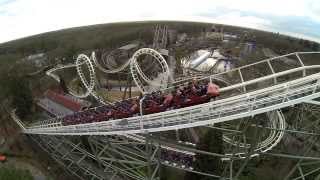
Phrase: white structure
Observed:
(304, 87)
(182, 37)
(138, 75)
(54, 108)
(204, 60)
(248, 47)
(129, 47)
(203, 57)
(245, 104)
(214, 33)
(37, 59)
(227, 36)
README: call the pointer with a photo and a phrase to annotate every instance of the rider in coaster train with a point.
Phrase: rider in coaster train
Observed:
(213, 90)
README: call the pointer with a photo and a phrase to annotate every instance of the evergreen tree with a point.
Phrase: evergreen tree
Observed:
(315, 46)
(210, 142)
(19, 90)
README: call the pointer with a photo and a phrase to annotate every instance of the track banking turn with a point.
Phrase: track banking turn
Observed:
(237, 100)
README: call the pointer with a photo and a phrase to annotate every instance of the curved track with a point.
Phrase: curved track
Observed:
(105, 70)
(267, 100)
(247, 104)
(136, 69)
(237, 102)
(137, 74)
(82, 59)
(277, 125)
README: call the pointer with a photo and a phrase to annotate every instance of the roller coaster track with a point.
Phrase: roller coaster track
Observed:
(267, 100)
(40, 71)
(135, 68)
(142, 139)
(106, 58)
(278, 124)
(137, 74)
(238, 100)
(81, 60)
(247, 104)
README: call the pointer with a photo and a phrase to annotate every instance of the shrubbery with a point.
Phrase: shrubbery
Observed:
(11, 173)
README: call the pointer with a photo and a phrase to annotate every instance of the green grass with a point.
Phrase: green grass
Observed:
(11, 173)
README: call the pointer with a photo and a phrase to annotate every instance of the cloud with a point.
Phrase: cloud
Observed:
(237, 19)
(274, 7)
(4, 2)
(20, 18)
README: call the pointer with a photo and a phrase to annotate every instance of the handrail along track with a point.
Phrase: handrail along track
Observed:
(242, 105)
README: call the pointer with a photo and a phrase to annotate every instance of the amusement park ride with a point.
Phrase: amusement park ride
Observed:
(124, 147)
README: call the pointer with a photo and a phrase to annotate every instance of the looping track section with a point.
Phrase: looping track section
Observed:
(245, 105)
(83, 59)
(140, 78)
(268, 100)
(136, 71)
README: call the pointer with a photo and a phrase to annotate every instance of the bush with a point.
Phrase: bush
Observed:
(11, 173)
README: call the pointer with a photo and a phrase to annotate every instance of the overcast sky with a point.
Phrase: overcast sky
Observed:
(21, 18)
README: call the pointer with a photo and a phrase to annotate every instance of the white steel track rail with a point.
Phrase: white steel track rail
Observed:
(110, 71)
(50, 72)
(89, 85)
(243, 105)
(137, 74)
(83, 59)
(278, 124)
(136, 69)
(246, 103)
(74, 158)
(238, 72)
(259, 101)
(142, 139)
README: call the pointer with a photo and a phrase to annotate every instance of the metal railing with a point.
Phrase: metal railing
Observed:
(241, 104)
(264, 100)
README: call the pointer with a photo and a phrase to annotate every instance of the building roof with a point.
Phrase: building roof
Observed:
(164, 52)
(128, 46)
(64, 100)
(53, 107)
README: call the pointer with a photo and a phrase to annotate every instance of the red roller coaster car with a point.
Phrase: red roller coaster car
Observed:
(155, 102)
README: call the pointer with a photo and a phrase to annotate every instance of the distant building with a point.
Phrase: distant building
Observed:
(182, 37)
(248, 48)
(164, 52)
(128, 47)
(203, 56)
(227, 36)
(127, 50)
(204, 60)
(53, 108)
(124, 52)
(214, 33)
(60, 104)
(38, 60)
